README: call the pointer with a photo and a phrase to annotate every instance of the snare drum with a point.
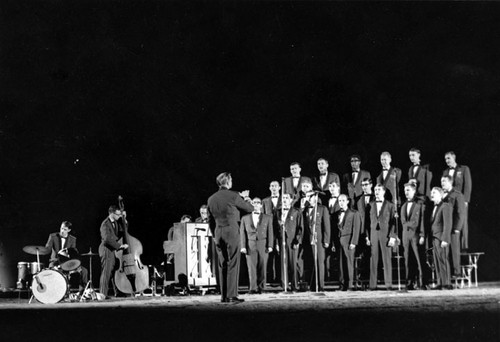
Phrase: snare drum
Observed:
(69, 259)
(49, 286)
(23, 275)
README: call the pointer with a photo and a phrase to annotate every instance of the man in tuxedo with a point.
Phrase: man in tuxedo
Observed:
(211, 252)
(382, 236)
(270, 206)
(389, 177)
(441, 225)
(203, 215)
(290, 222)
(322, 181)
(462, 182)
(413, 235)
(421, 174)
(293, 184)
(349, 226)
(352, 180)
(316, 238)
(58, 243)
(457, 203)
(364, 205)
(306, 187)
(112, 230)
(256, 234)
(224, 217)
(332, 253)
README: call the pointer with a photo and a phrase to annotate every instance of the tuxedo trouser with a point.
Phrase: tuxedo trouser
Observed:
(410, 240)
(441, 263)
(309, 275)
(465, 229)
(291, 262)
(378, 241)
(257, 264)
(227, 241)
(108, 262)
(347, 260)
(455, 252)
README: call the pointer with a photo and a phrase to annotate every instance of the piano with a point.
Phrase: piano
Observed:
(190, 246)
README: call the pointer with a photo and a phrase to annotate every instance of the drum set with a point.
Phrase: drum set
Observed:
(52, 285)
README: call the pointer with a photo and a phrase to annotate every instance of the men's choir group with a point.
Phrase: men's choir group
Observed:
(334, 229)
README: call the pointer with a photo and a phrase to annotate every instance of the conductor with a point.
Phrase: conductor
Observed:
(224, 223)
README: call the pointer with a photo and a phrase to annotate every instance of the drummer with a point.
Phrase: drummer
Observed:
(58, 242)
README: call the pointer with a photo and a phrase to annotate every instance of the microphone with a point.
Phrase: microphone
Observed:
(312, 192)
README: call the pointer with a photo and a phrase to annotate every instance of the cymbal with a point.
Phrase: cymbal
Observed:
(33, 249)
(70, 265)
(89, 254)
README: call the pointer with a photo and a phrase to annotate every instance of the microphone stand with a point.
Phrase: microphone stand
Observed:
(397, 242)
(284, 268)
(314, 242)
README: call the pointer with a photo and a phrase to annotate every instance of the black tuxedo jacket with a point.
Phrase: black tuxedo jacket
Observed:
(441, 222)
(424, 178)
(223, 208)
(263, 231)
(331, 176)
(385, 221)
(364, 211)
(110, 235)
(414, 220)
(391, 183)
(54, 243)
(289, 189)
(322, 224)
(354, 189)
(457, 204)
(268, 206)
(294, 227)
(462, 181)
(350, 227)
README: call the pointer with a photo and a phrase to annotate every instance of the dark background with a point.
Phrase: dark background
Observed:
(152, 100)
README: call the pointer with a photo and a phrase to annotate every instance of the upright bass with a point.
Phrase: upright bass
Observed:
(132, 276)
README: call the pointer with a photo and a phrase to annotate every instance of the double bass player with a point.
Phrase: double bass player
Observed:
(112, 229)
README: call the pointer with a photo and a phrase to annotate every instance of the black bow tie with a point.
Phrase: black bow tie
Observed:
(286, 209)
(342, 210)
(452, 168)
(355, 171)
(379, 201)
(256, 213)
(410, 201)
(367, 195)
(323, 174)
(385, 169)
(416, 164)
(274, 196)
(295, 177)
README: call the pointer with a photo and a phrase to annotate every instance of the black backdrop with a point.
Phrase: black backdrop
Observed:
(152, 100)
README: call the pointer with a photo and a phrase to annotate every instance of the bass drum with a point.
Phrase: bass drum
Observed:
(49, 286)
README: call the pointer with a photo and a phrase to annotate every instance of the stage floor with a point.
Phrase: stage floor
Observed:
(444, 315)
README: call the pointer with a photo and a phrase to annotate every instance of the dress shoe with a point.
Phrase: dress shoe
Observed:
(252, 292)
(235, 300)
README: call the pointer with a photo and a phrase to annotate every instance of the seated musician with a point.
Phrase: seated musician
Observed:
(61, 242)
(170, 236)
